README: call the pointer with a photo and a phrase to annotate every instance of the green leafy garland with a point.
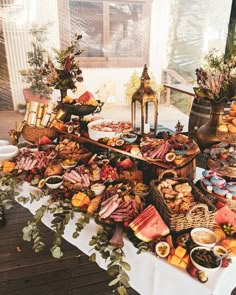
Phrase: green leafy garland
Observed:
(117, 267)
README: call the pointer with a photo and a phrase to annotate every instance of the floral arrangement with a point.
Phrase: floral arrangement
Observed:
(217, 77)
(65, 72)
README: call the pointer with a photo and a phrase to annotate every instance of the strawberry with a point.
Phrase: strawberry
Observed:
(223, 156)
(225, 262)
(192, 270)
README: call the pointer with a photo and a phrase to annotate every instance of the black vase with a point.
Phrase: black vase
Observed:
(63, 93)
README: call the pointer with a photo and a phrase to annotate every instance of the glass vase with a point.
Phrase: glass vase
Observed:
(206, 134)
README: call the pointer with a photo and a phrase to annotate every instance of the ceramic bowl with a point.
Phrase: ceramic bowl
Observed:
(129, 137)
(97, 188)
(220, 251)
(54, 181)
(202, 251)
(8, 151)
(3, 142)
(203, 237)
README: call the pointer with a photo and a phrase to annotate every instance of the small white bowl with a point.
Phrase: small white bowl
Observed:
(3, 142)
(203, 237)
(98, 188)
(129, 137)
(8, 151)
(220, 251)
(54, 185)
(207, 270)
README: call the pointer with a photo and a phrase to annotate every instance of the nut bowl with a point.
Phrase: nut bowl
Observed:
(54, 181)
(204, 259)
(203, 237)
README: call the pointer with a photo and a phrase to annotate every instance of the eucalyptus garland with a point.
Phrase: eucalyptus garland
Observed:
(117, 267)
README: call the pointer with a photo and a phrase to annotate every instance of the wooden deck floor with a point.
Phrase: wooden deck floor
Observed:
(27, 273)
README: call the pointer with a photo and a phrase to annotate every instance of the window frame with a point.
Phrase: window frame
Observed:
(106, 60)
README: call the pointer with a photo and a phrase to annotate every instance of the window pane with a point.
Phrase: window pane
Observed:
(127, 28)
(87, 18)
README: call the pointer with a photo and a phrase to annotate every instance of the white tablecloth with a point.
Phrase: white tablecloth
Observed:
(149, 275)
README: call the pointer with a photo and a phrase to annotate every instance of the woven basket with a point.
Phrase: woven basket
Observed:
(201, 214)
(32, 134)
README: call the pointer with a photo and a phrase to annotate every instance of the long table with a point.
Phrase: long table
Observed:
(149, 275)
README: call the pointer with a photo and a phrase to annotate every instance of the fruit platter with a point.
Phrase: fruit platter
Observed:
(82, 106)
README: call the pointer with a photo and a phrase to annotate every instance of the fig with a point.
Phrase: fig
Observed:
(202, 277)
(41, 183)
(119, 142)
(162, 249)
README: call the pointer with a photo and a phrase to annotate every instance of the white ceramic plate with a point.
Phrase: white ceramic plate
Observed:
(8, 151)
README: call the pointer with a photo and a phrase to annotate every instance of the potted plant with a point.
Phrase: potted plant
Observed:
(38, 89)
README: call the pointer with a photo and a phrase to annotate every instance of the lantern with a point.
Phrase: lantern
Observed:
(144, 95)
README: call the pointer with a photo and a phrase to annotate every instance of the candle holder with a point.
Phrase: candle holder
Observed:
(144, 95)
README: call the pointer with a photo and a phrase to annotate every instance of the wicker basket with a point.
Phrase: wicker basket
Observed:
(201, 214)
(32, 134)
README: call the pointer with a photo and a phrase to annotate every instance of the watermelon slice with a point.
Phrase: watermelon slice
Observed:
(146, 214)
(44, 140)
(149, 225)
(226, 215)
(85, 97)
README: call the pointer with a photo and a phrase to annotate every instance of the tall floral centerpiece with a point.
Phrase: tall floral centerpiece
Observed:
(63, 72)
(216, 81)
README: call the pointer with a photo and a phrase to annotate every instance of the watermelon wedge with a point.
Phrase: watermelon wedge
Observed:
(226, 215)
(141, 218)
(149, 225)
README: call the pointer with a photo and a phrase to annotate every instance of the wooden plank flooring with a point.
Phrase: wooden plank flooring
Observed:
(27, 273)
